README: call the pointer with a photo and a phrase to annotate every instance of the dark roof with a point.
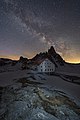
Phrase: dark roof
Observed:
(39, 62)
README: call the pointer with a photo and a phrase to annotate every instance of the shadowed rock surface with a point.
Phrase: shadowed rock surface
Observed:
(33, 102)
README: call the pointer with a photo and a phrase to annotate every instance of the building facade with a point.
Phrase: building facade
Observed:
(46, 66)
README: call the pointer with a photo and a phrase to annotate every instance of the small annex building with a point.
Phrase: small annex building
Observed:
(46, 66)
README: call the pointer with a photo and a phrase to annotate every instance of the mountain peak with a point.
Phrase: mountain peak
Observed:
(51, 50)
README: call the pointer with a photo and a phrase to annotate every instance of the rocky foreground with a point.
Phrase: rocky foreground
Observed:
(27, 100)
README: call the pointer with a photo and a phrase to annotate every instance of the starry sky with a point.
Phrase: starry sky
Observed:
(28, 27)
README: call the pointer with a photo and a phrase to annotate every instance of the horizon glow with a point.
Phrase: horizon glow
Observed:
(30, 27)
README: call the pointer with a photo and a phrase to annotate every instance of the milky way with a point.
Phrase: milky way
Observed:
(31, 26)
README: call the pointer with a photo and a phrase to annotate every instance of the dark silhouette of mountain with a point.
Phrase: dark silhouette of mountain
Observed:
(52, 51)
(22, 59)
(4, 61)
(51, 54)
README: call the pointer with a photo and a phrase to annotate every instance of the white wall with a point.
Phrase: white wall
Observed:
(46, 66)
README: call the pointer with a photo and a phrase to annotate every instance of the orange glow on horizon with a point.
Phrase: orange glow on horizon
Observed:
(74, 60)
(13, 57)
(16, 57)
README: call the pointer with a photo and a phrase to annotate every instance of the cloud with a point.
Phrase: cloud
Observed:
(43, 39)
(62, 46)
(34, 23)
(37, 26)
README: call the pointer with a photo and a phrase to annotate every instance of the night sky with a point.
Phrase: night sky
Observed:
(28, 27)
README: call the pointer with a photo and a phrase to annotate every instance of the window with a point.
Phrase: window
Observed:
(41, 70)
(45, 69)
(41, 66)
